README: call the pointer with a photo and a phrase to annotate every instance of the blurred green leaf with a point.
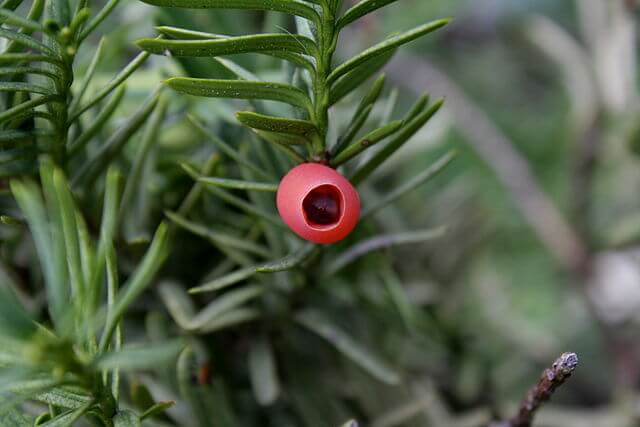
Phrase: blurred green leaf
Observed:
(108, 228)
(222, 312)
(123, 75)
(138, 282)
(141, 356)
(11, 154)
(11, 4)
(87, 250)
(63, 398)
(287, 263)
(26, 107)
(12, 58)
(228, 150)
(231, 318)
(355, 126)
(407, 131)
(218, 237)
(239, 71)
(18, 161)
(411, 185)
(306, 28)
(363, 8)
(59, 11)
(14, 418)
(100, 122)
(140, 395)
(352, 80)
(361, 114)
(97, 19)
(42, 418)
(113, 284)
(238, 202)
(126, 418)
(283, 142)
(188, 390)
(379, 242)
(23, 382)
(418, 107)
(69, 417)
(315, 322)
(29, 42)
(70, 230)
(16, 136)
(114, 145)
(11, 18)
(156, 409)
(365, 142)
(178, 303)
(88, 75)
(196, 191)
(399, 297)
(224, 304)
(152, 130)
(385, 46)
(30, 201)
(262, 371)
(34, 69)
(56, 232)
(235, 184)
(14, 320)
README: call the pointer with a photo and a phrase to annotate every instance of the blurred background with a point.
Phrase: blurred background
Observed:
(544, 258)
(542, 203)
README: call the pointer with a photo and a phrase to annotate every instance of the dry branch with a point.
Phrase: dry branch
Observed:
(550, 380)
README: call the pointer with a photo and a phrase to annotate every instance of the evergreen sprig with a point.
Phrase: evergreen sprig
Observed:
(266, 281)
(74, 365)
(42, 110)
(72, 361)
(311, 50)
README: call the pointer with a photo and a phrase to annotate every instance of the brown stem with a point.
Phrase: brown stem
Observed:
(550, 380)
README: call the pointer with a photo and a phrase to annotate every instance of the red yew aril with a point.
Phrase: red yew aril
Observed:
(318, 203)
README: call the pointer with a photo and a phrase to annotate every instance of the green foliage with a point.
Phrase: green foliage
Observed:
(62, 364)
(43, 112)
(265, 285)
(312, 50)
(102, 241)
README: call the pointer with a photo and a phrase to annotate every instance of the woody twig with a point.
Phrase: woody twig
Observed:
(550, 380)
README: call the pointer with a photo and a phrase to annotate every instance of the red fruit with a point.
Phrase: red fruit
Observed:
(318, 203)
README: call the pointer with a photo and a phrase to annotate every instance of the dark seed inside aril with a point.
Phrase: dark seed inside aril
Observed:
(322, 207)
